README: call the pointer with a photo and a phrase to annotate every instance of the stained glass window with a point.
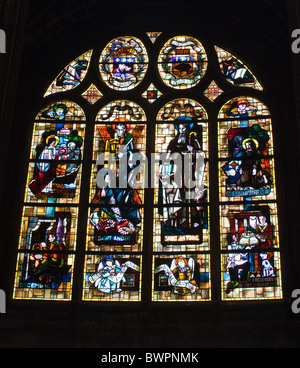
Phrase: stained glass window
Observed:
(162, 191)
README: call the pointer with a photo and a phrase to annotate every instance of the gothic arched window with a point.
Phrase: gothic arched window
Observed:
(151, 180)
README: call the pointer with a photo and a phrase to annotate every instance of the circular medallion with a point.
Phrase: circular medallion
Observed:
(182, 62)
(123, 63)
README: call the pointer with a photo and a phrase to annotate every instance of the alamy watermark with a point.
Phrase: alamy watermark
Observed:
(296, 303)
(296, 43)
(2, 42)
(132, 169)
(2, 301)
(296, 293)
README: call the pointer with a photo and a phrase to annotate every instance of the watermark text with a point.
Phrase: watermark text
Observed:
(296, 303)
(296, 42)
(133, 170)
(2, 42)
(2, 301)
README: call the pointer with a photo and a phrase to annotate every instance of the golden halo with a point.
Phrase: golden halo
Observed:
(248, 140)
(53, 136)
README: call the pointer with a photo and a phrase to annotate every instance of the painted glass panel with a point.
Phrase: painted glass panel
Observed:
(61, 111)
(123, 63)
(235, 71)
(181, 277)
(243, 108)
(115, 228)
(181, 177)
(112, 278)
(72, 75)
(254, 225)
(45, 264)
(118, 179)
(92, 94)
(182, 107)
(236, 285)
(56, 285)
(250, 254)
(39, 221)
(246, 152)
(49, 220)
(181, 210)
(55, 162)
(190, 237)
(153, 36)
(121, 109)
(115, 224)
(182, 62)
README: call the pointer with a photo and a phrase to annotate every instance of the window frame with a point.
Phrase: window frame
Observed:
(197, 93)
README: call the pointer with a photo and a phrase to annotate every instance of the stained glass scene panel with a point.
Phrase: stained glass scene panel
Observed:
(181, 159)
(118, 229)
(181, 134)
(61, 111)
(111, 277)
(117, 187)
(121, 110)
(246, 152)
(255, 223)
(182, 62)
(181, 178)
(235, 134)
(251, 266)
(236, 285)
(235, 71)
(45, 266)
(44, 276)
(185, 231)
(182, 107)
(72, 75)
(181, 277)
(239, 179)
(55, 162)
(118, 179)
(242, 108)
(40, 221)
(123, 63)
(248, 170)
(120, 148)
